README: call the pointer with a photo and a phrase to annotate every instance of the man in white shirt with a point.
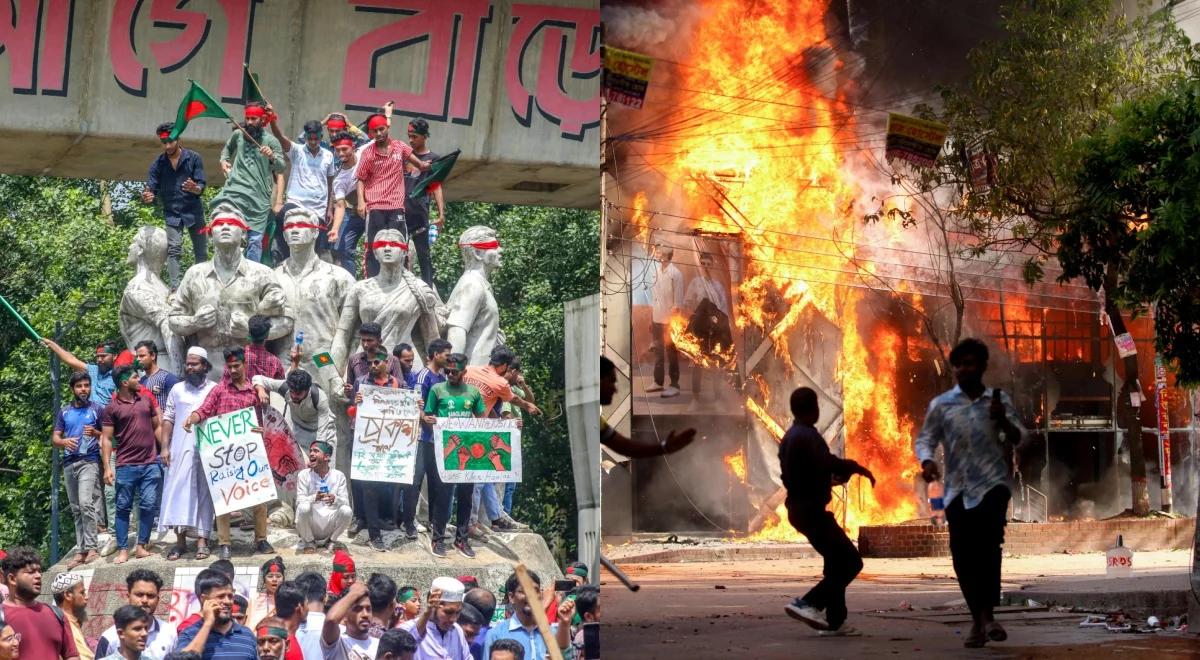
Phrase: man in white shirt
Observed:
(322, 501)
(312, 170)
(308, 633)
(348, 226)
(144, 588)
(667, 298)
(354, 610)
(438, 635)
(709, 320)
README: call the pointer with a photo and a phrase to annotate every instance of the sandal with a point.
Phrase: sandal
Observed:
(201, 552)
(75, 561)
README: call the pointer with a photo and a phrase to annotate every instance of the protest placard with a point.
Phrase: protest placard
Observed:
(385, 435)
(474, 450)
(234, 457)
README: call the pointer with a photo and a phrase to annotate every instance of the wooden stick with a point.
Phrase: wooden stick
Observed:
(243, 130)
(250, 75)
(539, 611)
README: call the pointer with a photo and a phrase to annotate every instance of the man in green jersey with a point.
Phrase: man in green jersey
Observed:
(452, 398)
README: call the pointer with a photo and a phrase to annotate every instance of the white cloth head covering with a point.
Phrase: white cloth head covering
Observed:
(64, 582)
(452, 590)
(198, 351)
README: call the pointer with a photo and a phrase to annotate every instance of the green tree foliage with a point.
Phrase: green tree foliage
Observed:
(1135, 232)
(550, 256)
(60, 250)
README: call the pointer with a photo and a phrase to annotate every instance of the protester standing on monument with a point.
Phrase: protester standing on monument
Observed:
(251, 171)
(405, 354)
(309, 183)
(667, 298)
(966, 421)
(377, 501)
(322, 501)
(144, 589)
(77, 434)
(416, 209)
(176, 178)
(522, 627)
(187, 505)
(516, 380)
(132, 420)
(438, 356)
(235, 394)
(444, 639)
(808, 471)
(217, 635)
(370, 336)
(100, 372)
(70, 596)
(353, 611)
(43, 633)
(380, 176)
(259, 360)
(452, 398)
(306, 406)
(348, 226)
(159, 381)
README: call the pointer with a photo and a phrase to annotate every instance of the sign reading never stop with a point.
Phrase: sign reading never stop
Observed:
(234, 459)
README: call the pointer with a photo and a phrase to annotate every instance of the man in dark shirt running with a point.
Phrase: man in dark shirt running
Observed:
(809, 470)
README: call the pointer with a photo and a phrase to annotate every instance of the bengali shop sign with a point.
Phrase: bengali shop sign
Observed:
(234, 457)
(474, 450)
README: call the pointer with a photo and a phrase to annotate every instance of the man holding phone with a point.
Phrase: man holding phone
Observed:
(966, 421)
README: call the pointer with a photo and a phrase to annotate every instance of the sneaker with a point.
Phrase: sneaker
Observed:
(654, 388)
(669, 391)
(464, 549)
(356, 527)
(377, 545)
(439, 549)
(410, 533)
(507, 524)
(802, 611)
(477, 532)
(843, 631)
(422, 528)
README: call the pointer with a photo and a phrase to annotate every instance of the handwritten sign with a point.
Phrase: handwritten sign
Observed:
(234, 457)
(385, 435)
(478, 450)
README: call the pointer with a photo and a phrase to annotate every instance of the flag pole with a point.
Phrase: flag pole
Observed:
(243, 130)
(21, 319)
(253, 81)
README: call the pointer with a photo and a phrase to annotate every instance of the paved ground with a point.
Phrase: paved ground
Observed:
(734, 609)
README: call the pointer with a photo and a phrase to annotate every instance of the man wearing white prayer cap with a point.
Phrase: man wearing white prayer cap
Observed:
(444, 639)
(187, 506)
(70, 595)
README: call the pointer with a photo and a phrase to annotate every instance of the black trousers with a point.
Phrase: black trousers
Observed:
(440, 494)
(976, 537)
(666, 353)
(378, 497)
(378, 220)
(418, 236)
(842, 562)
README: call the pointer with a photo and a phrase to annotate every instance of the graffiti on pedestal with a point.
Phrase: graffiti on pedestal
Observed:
(36, 38)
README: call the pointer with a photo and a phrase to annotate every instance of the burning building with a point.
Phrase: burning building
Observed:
(757, 162)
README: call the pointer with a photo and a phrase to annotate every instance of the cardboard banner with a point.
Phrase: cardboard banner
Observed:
(386, 430)
(471, 450)
(917, 141)
(626, 76)
(234, 457)
(285, 456)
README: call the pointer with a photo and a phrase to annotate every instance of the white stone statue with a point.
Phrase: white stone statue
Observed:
(316, 291)
(400, 302)
(145, 312)
(216, 299)
(474, 319)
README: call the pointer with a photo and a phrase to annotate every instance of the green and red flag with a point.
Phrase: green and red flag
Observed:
(322, 359)
(251, 91)
(196, 103)
(438, 171)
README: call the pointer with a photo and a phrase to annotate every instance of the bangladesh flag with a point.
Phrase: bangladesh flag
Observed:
(250, 89)
(322, 359)
(438, 171)
(196, 103)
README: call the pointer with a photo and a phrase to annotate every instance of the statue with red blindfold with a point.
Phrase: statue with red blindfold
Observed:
(474, 317)
(216, 299)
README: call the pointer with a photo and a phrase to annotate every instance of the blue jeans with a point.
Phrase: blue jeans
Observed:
(146, 479)
(509, 489)
(254, 246)
(491, 502)
(346, 252)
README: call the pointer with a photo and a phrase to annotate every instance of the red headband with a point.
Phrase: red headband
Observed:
(377, 121)
(164, 135)
(483, 245)
(255, 111)
(378, 244)
(302, 225)
(334, 124)
(346, 141)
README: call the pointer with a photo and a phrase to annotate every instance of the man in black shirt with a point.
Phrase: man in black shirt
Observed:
(809, 471)
(416, 210)
(176, 178)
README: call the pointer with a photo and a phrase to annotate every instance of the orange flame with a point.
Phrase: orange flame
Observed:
(737, 464)
(688, 344)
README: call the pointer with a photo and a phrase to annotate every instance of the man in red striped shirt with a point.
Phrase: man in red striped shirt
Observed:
(380, 185)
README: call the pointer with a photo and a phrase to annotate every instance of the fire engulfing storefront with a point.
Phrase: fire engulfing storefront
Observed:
(756, 170)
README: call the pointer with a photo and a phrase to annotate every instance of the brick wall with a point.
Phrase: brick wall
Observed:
(1034, 538)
